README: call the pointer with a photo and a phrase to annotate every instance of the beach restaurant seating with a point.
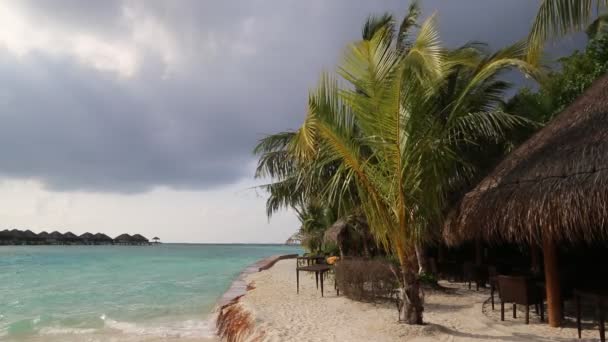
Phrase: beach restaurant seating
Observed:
(519, 290)
(477, 274)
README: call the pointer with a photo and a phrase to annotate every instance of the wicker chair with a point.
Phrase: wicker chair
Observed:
(519, 290)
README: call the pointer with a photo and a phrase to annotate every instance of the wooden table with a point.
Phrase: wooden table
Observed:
(600, 297)
(311, 259)
(319, 271)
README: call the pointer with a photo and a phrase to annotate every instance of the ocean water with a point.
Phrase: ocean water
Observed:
(118, 293)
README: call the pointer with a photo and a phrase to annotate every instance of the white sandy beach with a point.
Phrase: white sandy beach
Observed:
(459, 315)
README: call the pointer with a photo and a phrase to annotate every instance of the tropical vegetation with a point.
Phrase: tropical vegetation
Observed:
(405, 126)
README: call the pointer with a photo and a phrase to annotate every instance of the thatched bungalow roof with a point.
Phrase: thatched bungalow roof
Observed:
(86, 236)
(29, 235)
(336, 231)
(16, 234)
(69, 236)
(43, 235)
(123, 238)
(56, 236)
(556, 183)
(139, 239)
(103, 238)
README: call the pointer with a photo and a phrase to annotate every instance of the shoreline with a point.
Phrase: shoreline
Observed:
(272, 311)
(239, 285)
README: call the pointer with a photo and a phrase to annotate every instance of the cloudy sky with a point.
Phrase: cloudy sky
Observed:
(140, 116)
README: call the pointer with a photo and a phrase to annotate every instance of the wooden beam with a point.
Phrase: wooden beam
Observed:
(552, 282)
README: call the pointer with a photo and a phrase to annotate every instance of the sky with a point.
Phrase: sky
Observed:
(140, 116)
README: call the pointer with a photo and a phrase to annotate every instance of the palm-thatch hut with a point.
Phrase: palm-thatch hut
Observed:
(87, 238)
(44, 237)
(351, 235)
(71, 238)
(123, 239)
(139, 240)
(17, 237)
(31, 238)
(553, 189)
(56, 238)
(338, 233)
(102, 239)
(5, 237)
(156, 239)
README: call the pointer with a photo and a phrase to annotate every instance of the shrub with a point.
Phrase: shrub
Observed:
(367, 280)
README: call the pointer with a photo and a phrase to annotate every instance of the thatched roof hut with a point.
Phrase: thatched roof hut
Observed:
(71, 237)
(139, 239)
(30, 237)
(101, 238)
(554, 184)
(87, 238)
(123, 239)
(551, 189)
(56, 237)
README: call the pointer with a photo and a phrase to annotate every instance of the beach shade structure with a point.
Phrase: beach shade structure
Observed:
(123, 239)
(102, 239)
(337, 233)
(156, 239)
(550, 191)
(294, 240)
(87, 238)
(56, 238)
(139, 240)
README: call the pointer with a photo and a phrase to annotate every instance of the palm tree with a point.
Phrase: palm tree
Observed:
(397, 130)
(556, 18)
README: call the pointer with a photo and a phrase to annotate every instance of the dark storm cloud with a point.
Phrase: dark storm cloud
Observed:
(217, 77)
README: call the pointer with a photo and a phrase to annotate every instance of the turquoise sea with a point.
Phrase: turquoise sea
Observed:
(118, 293)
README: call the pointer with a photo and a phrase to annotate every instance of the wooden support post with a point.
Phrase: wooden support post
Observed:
(554, 296)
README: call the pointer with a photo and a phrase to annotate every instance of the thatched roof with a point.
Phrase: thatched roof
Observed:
(123, 238)
(69, 236)
(56, 235)
(86, 236)
(30, 235)
(333, 233)
(102, 237)
(555, 183)
(139, 238)
(43, 235)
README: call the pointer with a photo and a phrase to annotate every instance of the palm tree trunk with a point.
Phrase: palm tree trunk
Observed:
(421, 257)
(412, 308)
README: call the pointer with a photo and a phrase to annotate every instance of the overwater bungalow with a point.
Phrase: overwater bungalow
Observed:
(138, 239)
(71, 238)
(550, 194)
(123, 239)
(56, 238)
(31, 238)
(44, 237)
(87, 238)
(156, 240)
(102, 239)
